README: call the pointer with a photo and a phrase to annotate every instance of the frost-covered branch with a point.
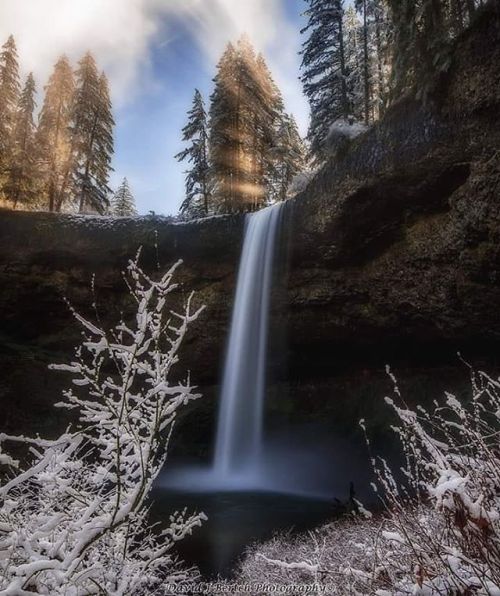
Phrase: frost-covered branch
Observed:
(439, 532)
(74, 520)
(301, 565)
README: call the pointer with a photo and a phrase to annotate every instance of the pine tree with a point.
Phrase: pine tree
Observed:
(423, 30)
(371, 65)
(104, 137)
(292, 155)
(233, 140)
(223, 140)
(9, 97)
(123, 202)
(21, 180)
(268, 120)
(325, 74)
(364, 7)
(354, 60)
(244, 114)
(382, 31)
(198, 184)
(92, 137)
(53, 137)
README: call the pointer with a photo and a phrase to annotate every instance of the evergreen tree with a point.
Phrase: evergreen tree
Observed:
(22, 177)
(9, 96)
(325, 76)
(92, 137)
(423, 30)
(372, 63)
(223, 140)
(354, 59)
(244, 113)
(291, 157)
(353, 64)
(123, 202)
(198, 184)
(53, 138)
(268, 119)
(382, 31)
(104, 141)
(366, 9)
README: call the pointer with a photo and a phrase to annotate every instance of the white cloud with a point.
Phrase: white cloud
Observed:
(117, 31)
(121, 33)
(215, 22)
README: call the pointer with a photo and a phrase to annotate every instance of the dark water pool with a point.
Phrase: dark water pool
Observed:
(236, 520)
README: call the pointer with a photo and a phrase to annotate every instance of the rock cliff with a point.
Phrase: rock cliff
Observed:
(394, 257)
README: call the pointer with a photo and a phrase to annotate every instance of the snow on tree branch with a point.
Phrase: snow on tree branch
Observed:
(74, 520)
(439, 532)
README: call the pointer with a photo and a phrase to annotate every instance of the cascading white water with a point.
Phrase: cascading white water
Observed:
(240, 423)
(240, 464)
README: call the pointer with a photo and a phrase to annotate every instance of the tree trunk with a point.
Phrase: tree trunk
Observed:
(380, 72)
(54, 202)
(471, 8)
(343, 73)
(51, 193)
(366, 74)
(89, 159)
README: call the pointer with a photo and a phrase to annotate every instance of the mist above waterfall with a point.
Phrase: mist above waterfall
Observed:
(299, 459)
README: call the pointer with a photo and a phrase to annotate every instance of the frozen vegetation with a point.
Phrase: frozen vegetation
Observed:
(439, 532)
(342, 132)
(74, 520)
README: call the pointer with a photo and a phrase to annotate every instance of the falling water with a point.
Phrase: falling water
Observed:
(293, 462)
(239, 430)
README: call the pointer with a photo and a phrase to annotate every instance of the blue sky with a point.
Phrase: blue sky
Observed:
(156, 52)
(148, 132)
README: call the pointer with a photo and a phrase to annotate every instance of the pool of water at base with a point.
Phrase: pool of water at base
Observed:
(235, 521)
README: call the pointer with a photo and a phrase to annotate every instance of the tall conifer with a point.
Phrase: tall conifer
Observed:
(53, 136)
(244, 116)
(198, 183)
(223, 139)
(104, 138)
(9, 96)
(325, 75)
(354, 60)
(22, 178)
(291, 156)
(123, 202)
(382, 32)
(92, 137)
(268, 119)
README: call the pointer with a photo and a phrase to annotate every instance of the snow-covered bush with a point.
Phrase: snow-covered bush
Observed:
(300, 182)
(440, 529)
(341, 133)
(73, 521)
(340, 558)
(453, 470)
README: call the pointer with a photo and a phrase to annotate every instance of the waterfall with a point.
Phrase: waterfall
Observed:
(293, 462)
(240, 421)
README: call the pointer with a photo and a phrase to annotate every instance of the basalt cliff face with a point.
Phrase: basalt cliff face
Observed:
(48, 259)
(394, 257)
